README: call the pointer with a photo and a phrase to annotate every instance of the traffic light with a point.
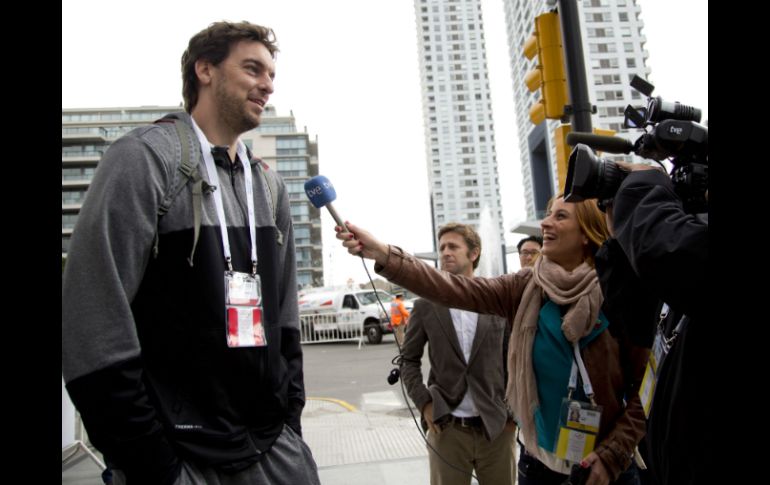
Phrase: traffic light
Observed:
(549, 75)
(562, 153)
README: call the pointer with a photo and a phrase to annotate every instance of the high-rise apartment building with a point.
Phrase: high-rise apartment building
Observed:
(295, 156)
(457, 113)
(613, 49)
(87, 133)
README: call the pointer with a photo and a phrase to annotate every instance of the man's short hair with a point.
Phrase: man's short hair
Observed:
(213, 44)
(471, 237)
(536, 239)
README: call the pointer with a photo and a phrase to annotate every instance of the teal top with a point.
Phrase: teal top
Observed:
(552, 361)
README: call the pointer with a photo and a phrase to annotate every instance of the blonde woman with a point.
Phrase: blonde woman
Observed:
(555, 310)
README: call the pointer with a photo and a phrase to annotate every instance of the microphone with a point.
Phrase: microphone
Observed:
(610, 144)
(321, 193)
(393, 376)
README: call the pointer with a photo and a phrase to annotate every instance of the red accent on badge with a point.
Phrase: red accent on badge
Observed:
(232, 326)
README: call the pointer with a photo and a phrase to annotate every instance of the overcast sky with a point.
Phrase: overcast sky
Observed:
(348, 70)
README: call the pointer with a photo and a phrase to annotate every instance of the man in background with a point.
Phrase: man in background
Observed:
(529, 249)
(463, 405)
(399, 317)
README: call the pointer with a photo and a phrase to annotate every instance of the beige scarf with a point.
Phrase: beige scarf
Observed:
(580, 290)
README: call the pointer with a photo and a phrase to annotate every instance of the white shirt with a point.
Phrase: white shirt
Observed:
(465, 327)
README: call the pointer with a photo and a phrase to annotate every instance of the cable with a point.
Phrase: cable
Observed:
(395, 373)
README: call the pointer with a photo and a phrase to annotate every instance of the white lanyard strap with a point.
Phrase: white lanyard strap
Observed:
(577, 363)
(211, 170)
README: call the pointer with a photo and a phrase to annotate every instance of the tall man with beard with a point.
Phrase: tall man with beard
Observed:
(178, 377)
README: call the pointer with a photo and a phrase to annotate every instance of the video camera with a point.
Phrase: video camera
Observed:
(673, 131)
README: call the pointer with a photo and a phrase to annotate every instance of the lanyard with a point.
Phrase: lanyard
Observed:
(669, 341)
(577, 362)
(211, 170)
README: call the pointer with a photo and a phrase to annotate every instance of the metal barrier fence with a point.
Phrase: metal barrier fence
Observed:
(327, 327)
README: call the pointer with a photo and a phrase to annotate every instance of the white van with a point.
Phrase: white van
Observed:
(343, 312)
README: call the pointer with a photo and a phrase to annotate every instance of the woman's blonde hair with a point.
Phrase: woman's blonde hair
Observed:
(591, 222)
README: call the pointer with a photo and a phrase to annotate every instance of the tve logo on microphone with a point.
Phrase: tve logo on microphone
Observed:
(320, 191)
(321, 194)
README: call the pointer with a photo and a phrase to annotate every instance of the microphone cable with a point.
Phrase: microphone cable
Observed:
(395, 375)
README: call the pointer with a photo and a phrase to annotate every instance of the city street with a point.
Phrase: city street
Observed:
(340, 370)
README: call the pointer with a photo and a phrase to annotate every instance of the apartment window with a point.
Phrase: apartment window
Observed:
(73, 196)
(68, 220)
(80, 173)
(631, 62)
(609, 95)
(625, 31)
(602, 48)
(628, 46)
(623, 16)
(290, 146)
(604, 32)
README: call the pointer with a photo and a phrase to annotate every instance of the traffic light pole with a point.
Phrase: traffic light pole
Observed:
(576, 69)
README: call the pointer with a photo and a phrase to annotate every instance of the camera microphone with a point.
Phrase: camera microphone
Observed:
(610, 144)
(321, 193)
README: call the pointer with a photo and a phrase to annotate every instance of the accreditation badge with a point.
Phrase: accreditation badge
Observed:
(650, 380)
(578, 427)
(243, 310)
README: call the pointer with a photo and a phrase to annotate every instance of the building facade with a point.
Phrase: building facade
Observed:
(613, 50)
(87, 133)
(457, 116)
(295, 156)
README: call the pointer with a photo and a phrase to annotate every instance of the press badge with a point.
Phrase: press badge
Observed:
(243, 310)
(660, 348)
(578, 427)
(650, 380)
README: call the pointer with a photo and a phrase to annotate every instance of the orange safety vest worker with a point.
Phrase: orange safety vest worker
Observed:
(398, 312)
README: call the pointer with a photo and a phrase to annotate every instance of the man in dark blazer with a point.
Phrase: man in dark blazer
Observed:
(463, 405)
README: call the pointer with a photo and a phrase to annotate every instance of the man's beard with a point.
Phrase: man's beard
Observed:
(233, 112)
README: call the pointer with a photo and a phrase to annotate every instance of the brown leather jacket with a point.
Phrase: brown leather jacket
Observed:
(615, 366)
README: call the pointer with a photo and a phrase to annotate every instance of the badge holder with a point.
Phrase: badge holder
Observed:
(243, 310)
(578, 420)
(660, 348)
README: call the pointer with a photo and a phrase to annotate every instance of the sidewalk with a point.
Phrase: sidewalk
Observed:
(379, 445)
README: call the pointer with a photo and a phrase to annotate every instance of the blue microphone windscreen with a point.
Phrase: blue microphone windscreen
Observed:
(320, 191)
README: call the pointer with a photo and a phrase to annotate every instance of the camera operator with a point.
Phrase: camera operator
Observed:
(660, 252)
